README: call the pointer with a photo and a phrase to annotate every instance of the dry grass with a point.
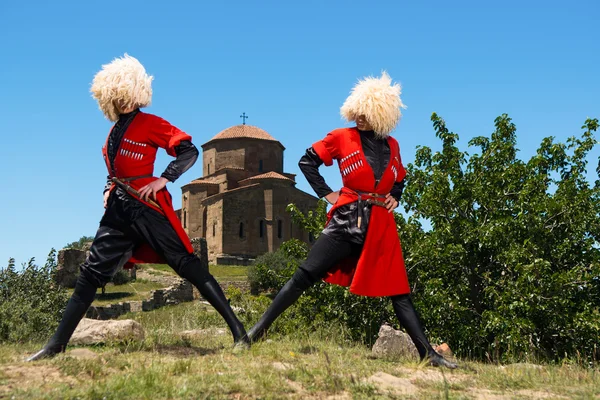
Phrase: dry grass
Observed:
(304, 365)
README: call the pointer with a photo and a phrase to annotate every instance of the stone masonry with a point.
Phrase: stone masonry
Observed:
(239, 203)
(180, 292)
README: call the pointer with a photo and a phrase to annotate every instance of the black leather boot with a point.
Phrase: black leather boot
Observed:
(213, 293)
(76, 308)
(287, 296)
(437, 360)
(409, 319)
(48, 351)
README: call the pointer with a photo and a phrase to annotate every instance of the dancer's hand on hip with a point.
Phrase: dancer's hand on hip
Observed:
(150, 190)
(390, 202)
(332, 197)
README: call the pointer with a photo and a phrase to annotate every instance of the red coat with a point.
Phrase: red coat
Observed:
(379, 271)
(135, 157)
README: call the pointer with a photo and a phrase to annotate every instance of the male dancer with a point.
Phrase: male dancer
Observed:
(139, 224)
(359, 246)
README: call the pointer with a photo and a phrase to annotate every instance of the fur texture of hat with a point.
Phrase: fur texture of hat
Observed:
(123, 84)
(378, 99)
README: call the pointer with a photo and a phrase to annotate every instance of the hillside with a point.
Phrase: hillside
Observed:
(300, 365)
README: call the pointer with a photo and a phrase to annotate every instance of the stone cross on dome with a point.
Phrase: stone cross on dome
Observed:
(244, 117)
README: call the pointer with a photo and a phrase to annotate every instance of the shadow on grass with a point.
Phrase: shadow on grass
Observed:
(113, 296)
(182, 350)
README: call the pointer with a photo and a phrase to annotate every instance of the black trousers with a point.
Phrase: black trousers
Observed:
(125, 225)
(327, 251)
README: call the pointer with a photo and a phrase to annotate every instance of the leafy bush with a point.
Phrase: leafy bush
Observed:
(270, 271)
(31, 304)
(121, 277)
(510, 266)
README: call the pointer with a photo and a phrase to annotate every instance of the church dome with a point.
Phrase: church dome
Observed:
(243, 131)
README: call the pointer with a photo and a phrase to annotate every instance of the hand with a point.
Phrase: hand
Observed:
(390, 202)
(332, 197)
(106, 194)
(150, 190)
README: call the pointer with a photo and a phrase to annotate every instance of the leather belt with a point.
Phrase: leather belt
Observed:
(133, 178)
(375, 199)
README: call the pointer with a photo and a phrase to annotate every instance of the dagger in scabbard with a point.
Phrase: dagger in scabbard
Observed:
(134, 192)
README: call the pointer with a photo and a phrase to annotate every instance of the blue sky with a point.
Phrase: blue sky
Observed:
(288, 65)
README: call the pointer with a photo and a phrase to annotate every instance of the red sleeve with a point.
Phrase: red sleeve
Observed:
(328, 148)
(163, 134)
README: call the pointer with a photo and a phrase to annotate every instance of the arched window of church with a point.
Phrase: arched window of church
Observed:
(208, 169)
(184, 219)
(214, 229)
(241, 230)
(261, 228)
(260, 166)
(279, 228)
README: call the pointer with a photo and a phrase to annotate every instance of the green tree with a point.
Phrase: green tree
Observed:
(314, 220)
(31, 304)
(80, 243)
(510, 265)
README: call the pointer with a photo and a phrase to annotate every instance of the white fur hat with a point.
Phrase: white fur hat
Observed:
(378, 100)
(123, 82)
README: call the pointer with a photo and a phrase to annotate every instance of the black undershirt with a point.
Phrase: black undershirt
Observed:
(116, 135)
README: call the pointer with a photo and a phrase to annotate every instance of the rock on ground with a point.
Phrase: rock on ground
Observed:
(390, 383)
(392, 342)
(444, 350)
(91, 331)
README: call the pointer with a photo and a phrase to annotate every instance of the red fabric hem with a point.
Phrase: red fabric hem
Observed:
(174, 142)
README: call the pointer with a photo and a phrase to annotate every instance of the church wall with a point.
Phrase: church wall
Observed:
(208, 161)
(255, 156)
(270, 153)
(267, 202)
(236, 175)
(192, 209)
(281, 200)
(224, 154)
(214, 228)
(244, 206)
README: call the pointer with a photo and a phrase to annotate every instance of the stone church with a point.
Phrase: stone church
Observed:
(239, 204)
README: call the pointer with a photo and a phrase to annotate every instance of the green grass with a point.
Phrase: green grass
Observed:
(137, 290)
(220, 272)
(132, 291)
(301, 365)
(229, 272)
(157, 267)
